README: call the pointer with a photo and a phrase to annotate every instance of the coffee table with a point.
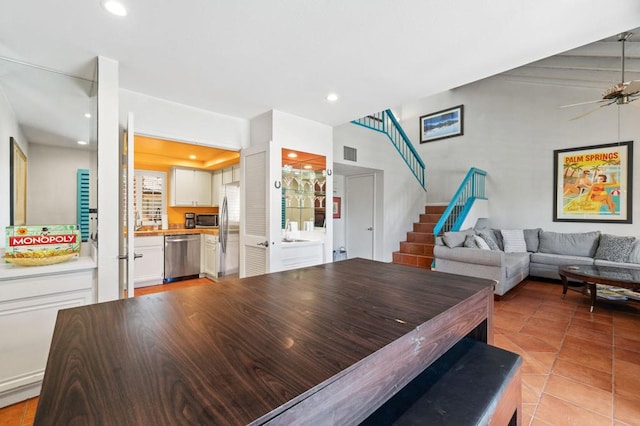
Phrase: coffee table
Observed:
(592, 275)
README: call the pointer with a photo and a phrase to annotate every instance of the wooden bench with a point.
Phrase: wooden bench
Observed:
(472, 384)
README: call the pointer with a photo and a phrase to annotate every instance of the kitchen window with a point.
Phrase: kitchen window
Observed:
(150, 194)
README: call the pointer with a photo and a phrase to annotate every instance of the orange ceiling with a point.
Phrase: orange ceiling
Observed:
(168, 153)
(317, 162)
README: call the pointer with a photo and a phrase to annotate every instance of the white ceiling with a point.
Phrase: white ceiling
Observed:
(245, 57)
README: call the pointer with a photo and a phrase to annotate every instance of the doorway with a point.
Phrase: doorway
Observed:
(360, 215)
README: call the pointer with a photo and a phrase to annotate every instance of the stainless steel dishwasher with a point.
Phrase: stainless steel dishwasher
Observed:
(181, 257)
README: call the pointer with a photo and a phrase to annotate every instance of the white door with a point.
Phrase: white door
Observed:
(259, 229)
(360, 216)
(127, 222)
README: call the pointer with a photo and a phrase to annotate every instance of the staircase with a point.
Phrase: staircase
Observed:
(418, 249)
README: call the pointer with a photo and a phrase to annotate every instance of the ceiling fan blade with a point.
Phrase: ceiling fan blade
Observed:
(588, 112)
(581, 103)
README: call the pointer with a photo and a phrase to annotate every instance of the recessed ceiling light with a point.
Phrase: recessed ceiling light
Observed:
(82, 143)
(115, 8)
(87, 115)
(332, 97)
(193, 157)
(292, 155)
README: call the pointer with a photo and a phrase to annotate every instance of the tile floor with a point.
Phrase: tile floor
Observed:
(579, 368)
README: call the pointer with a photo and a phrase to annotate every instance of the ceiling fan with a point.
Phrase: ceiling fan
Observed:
(622, 93)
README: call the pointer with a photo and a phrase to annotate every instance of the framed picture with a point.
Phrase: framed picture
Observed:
(593, 183)
(442, 124)
(336, 207)
(17, 185)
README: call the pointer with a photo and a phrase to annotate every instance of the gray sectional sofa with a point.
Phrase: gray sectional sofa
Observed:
(509, 256)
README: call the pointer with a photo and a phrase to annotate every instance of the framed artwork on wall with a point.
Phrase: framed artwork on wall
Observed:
(336, 207)
(17, 185)
(442, 124)
(593, 183)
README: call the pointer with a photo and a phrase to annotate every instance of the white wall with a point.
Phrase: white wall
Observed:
(169, 120)
(510, 131)
(401, 198)
(52, 183)
(8, 128)
(339, 225)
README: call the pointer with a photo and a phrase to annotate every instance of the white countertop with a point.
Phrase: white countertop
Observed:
(86, 260)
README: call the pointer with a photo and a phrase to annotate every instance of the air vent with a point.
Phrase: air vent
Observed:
(350, 154)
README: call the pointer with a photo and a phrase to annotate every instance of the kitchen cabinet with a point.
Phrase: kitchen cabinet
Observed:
(216, 186)
(227, 175)
(190, 187)
(235, 172)
(303, 190)
(210, 256)
(30, 298)
(148, 269)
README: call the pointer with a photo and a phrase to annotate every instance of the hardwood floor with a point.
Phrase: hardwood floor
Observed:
(579, 368)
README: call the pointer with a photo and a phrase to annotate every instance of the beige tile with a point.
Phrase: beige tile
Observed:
(532, 385)
(557, 412)
(626, 379)
(580, 394)
(582, 373)
(627, 410)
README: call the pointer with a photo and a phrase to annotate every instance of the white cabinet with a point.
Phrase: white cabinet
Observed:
(227, 175)
(148, 269)
(190, 187)
(216, 185)
(300, 255)
(28, 309)
(210, 256)
(235, 173)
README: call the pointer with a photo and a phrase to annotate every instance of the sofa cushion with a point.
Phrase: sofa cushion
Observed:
(513, 240)
(560, 260)
(532, 238)
(634, 256)
(515, 263)
(570, 244)
(481, 243)
(456, 238)
(489, 237)
(614, 248)
(470, 242)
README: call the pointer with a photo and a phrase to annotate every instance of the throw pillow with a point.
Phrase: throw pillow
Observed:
(614, 248)
(531, 237)
(488, 237)
(456, 239)
(514, 241)
(470, 242)
(481, 243)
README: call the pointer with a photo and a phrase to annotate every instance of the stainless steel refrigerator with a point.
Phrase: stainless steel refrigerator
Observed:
(229, 235)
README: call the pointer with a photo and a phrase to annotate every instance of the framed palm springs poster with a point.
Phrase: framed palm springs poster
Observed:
(593, 183)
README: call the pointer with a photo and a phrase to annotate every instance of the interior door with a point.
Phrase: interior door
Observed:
(127, 221)
(256, 254)
(360, 215)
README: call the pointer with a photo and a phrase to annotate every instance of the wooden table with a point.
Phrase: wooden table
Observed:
(592, 275)
(321, 345)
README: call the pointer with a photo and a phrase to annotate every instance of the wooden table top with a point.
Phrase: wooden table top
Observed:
(236, 353)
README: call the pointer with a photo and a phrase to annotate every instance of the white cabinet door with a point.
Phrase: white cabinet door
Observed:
(190, 187)
(202, 183)
(210, 255)
(149, 269)
(227, 175)
(235, 173)
(216, 185)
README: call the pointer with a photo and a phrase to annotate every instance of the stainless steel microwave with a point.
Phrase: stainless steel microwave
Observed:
(206, 220)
